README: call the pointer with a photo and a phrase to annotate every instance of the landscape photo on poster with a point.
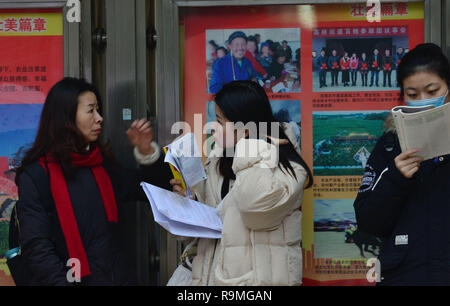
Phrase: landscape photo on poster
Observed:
(336, 234)
(270, 56)
(363, 58)
(343, 140)
(18, 127)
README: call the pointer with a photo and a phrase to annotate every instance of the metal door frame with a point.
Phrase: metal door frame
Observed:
(125, 79)
(122, 80)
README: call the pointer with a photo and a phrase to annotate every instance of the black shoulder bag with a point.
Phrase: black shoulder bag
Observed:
(17, 266)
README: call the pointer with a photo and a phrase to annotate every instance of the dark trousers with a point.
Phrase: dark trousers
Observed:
(345, 77)
(354, 77)
(373, 74)
(364, 77)
(387, 76)
(323, 77)
(334, 77)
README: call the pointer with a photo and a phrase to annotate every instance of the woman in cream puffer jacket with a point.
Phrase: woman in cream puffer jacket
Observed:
(262, 219)
(262, 224)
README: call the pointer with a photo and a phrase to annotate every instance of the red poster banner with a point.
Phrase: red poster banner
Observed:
(31, 62)
(27, 68)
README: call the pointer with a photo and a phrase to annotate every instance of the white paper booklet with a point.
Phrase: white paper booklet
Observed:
(184, 155)
(182, 216)
(426, 128)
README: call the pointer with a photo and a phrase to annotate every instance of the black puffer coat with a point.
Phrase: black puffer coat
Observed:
(43, 244)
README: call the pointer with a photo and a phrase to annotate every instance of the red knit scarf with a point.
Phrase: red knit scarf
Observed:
(63, 204)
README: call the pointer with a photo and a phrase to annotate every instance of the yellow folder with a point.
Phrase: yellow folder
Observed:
(175, 172)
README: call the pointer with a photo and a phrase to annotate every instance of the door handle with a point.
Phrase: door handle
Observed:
(99, 39)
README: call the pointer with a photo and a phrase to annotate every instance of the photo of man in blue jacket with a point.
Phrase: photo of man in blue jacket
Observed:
(233, 66)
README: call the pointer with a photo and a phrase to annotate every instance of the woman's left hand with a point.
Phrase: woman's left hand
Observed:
(140, 135)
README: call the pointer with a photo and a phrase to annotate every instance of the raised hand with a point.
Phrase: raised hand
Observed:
(140, 135)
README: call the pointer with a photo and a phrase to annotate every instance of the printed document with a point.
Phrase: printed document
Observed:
(182, 216)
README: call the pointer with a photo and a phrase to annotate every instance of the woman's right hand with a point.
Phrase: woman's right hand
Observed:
(408, 164)
(178, 189)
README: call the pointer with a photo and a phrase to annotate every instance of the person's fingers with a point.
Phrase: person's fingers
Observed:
(407, 154)
(143, 121)
(409, 170)
(406, 162)
(406, 158)
(133, 125)
(409, 167)
(177, 189)
(175, 182)
(144, 127)
(139, 124)
(410, 173)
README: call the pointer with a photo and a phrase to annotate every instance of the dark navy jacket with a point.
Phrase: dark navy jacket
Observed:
(412, 216)
(334, 60)
(320, 61)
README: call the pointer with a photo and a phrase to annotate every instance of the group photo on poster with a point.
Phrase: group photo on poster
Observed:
(358, 58)
(270, 57)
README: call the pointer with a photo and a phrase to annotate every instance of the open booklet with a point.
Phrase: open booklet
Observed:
(426, 128)
(185, 161)
(182, 216)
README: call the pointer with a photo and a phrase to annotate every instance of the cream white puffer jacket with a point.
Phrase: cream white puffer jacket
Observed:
(262, 221)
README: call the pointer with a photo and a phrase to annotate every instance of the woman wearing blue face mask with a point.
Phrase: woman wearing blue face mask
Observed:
(404, 200)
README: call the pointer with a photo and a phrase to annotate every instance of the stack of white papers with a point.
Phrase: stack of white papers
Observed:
(182, 216)
(184, 155)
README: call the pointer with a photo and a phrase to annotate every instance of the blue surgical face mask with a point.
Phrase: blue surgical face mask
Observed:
(438, 101)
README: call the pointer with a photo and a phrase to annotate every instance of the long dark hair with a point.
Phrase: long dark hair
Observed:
(247, 102)
(57, 133)
(425, 57)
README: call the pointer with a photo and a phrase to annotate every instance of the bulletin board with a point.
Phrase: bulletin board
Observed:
(31, 62)
(337, 125)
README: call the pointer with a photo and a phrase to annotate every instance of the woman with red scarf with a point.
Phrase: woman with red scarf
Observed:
(71, 192)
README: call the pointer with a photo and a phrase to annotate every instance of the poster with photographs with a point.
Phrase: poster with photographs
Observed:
(337, 105)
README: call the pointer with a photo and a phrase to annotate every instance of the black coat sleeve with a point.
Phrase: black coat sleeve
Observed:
(383, 192)
(37, 247)
(158, 174)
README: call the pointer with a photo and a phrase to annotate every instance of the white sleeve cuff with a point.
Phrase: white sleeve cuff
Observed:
(147, 160)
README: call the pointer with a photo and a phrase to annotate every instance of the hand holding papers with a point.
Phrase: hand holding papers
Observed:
(182, 216)
(184, 156)
(426, 128)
